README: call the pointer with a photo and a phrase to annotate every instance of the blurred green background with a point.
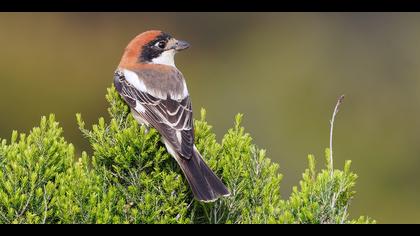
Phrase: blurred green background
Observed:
(284, 71)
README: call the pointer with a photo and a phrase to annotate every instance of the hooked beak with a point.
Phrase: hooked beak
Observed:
(181, 45)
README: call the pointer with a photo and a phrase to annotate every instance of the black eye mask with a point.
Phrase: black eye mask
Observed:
(150, 51)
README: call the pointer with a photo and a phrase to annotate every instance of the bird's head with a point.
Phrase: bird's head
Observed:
(152, 47)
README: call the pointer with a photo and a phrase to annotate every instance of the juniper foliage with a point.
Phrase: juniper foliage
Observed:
(130, 178)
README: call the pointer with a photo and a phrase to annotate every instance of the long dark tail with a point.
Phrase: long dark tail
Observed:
(205, 185)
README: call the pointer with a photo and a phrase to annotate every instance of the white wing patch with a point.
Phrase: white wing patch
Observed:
(134, 80)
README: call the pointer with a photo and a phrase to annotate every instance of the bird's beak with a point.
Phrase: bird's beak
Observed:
(181, 45)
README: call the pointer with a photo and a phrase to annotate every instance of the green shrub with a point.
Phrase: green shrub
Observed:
(130, 178)
(29, 167)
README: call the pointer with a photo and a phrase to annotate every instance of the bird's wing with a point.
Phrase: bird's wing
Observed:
(171, 117)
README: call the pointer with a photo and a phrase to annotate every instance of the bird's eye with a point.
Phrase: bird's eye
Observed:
(161, 44)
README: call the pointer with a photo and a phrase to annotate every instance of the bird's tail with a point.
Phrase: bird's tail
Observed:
(205, 185)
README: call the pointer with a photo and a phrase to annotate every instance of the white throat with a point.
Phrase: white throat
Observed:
(165, 58)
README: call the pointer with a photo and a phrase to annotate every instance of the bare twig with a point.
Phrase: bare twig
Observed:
(339, 101)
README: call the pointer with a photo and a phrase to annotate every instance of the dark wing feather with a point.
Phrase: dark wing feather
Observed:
(172, 118)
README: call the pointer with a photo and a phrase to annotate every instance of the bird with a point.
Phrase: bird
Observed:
(157, 94)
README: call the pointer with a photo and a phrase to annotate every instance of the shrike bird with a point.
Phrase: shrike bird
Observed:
(149, 82)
